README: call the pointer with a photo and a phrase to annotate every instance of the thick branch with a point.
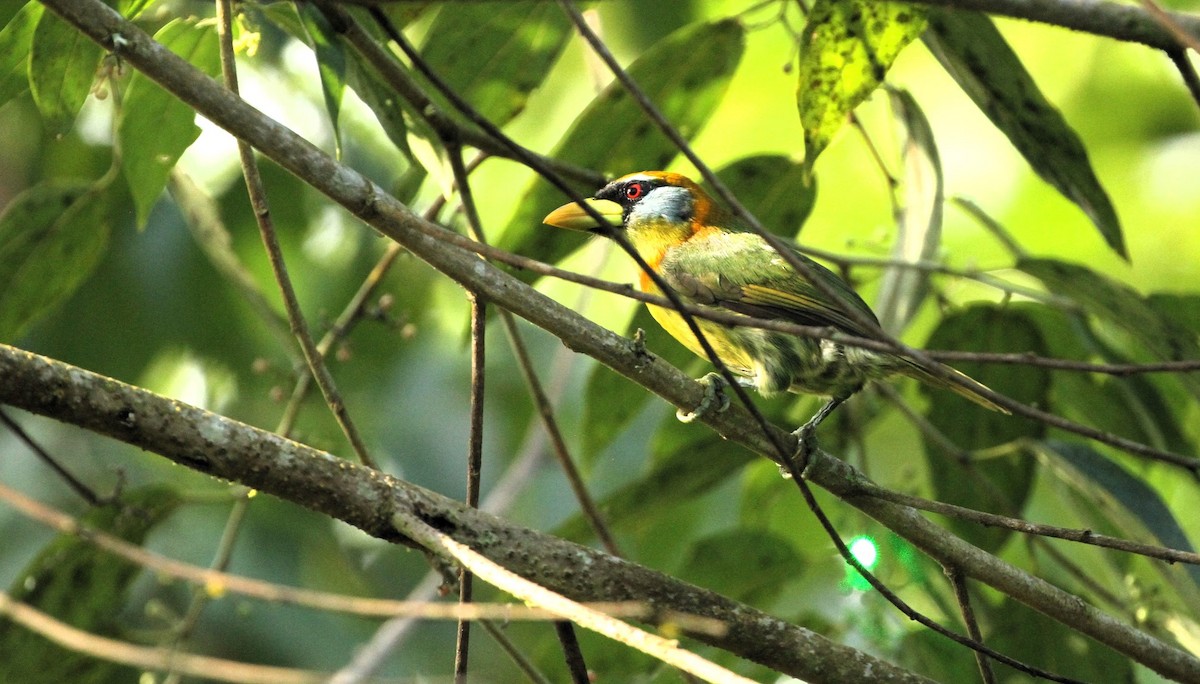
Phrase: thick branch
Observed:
(1109, 19)
(369, 500)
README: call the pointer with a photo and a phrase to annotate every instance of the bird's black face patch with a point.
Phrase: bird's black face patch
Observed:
(628, 192)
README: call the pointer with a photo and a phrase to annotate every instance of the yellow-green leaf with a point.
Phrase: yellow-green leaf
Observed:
(155, 127)
(846, 49)
(495, 54)
(15, 40)
(62, 66)
(985, 67)
(51, 238)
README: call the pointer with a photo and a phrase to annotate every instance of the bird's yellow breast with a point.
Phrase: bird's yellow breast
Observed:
(732, 352)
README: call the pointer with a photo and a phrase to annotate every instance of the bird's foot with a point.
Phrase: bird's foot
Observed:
(806, 444)
(714, 393)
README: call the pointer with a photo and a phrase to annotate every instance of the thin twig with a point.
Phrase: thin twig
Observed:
(201, 595)
(963, 596)
(796, 471)
(1187, 71)
(524, 664)
(474, 464)
(73, 482)
(1025, 527)
(574, 656)
(266, 227)
(587, 504)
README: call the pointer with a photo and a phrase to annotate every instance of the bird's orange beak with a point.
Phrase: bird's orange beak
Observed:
(573, 217)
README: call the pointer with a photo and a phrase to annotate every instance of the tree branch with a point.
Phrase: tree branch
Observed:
(369, 500)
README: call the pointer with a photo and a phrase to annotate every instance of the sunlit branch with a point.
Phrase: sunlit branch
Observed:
(665, 650)
(147, 657)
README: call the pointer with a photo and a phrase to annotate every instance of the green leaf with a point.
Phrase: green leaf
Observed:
(155, 127)
(11, 8)
(331, 65)
(15, 40)
(52, 236)
(747, 564)
(611, 400)
(845, 52)
(774, 188)
(76, 582)
(1133, 406)
(985, 67)
(614, 135)
(1122, 309)
(1000, 483)
(694, 464)
(1135, 507)
(919, 221)
(495, 54)
(62, 66)
(388, 107)
(130, 9)
(1022, 632)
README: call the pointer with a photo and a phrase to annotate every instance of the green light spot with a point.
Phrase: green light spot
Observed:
(864, 551)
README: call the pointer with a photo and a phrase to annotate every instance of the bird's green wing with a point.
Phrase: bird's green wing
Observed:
(742, 273)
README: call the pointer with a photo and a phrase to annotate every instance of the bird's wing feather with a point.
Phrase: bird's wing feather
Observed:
(742, 273)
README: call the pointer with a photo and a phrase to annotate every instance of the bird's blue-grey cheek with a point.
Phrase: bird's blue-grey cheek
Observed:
(669, 203)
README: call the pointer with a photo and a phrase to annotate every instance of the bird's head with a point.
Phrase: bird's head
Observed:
(651, 206)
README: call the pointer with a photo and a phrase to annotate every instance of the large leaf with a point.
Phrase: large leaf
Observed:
(495, 54)
(1121, 308)
(1132, 406)
(747, 564)
(76, 582)
(614, 135)
(1135, 507)
(331, 65)
(774, 188)
(1022, 632)
(51, 238)
(1000, 483)
(919, 222)
(155, 127)
(694, 465)
(15, 40)
(611, 400)
(62, 66)
(846, 50)
(985, 67)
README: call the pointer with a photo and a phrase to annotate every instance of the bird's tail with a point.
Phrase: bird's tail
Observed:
(914, 370)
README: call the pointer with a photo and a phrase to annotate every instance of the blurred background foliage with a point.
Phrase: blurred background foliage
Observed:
(155, 311)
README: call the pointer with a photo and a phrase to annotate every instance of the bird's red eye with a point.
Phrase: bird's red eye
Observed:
(634, 191)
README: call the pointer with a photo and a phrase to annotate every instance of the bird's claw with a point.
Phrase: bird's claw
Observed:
(714, 392)
(806, 444)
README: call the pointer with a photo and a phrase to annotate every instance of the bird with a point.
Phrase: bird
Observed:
(713, 261)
